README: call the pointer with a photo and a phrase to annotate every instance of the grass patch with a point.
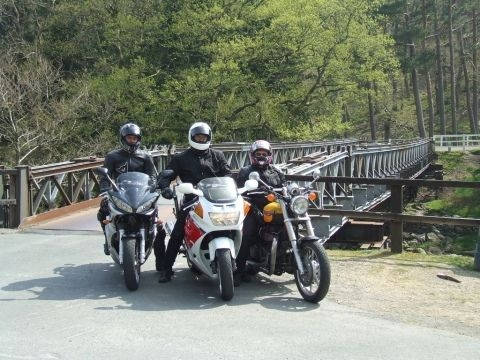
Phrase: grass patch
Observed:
(462, 262)
(438, 206)
(451, 160)
(463, 202)
(466, 242)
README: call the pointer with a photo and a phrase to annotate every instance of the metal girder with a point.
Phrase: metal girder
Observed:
(332, 158)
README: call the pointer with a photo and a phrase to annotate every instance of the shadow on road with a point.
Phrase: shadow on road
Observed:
(103, 281)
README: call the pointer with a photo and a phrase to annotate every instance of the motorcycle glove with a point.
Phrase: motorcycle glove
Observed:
(104, 191)
(167, 193)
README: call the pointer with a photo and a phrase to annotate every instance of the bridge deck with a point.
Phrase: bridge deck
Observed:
(86, 220)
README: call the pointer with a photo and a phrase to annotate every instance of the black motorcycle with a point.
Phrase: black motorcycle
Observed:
(287, 242)
(131, 228)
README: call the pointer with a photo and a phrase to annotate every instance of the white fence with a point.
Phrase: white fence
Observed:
(462, 142)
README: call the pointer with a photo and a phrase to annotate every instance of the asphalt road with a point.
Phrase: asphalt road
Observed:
(61, 298)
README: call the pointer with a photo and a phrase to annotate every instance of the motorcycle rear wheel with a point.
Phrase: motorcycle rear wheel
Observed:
(314, 284)
(225, 273)
(131, 266)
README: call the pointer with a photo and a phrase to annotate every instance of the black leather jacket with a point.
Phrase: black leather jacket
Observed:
(194, 165)
(120, 161)
(271, 175)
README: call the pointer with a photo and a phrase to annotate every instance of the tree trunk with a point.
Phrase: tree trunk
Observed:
(394, 94)
(418, 100)
(346, 114)
(371, 114)
(475, 70)
(416, 91)
(440, 95)
(452, 69)
(387, 130)
(458, 88)
(407, 52)
(473, 128)
(431, 111)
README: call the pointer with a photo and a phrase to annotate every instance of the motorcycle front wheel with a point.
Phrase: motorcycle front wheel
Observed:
(225, 273)
(313, 285)
(131, 266)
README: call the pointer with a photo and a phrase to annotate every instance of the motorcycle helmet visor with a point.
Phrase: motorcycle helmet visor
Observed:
(201, 129)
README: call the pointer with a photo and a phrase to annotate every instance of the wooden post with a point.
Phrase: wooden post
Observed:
(476, 260)
(396, 207)
(21, 195)
(70, 186)
(87, 194)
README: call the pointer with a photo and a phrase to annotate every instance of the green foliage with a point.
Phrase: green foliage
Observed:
(463, 202)
(272, 69)
(451, 160)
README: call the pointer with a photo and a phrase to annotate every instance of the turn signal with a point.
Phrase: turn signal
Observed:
(246, 207)
(271, 197)
(199, 210)
(312, 196)
(267, 216)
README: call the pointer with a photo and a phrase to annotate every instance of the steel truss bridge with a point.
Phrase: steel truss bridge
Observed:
(30, 191)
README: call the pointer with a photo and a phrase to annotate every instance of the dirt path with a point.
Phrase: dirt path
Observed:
(409, 291)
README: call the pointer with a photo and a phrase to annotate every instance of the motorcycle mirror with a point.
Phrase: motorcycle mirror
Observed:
(254, 176)
(251, 184)
(185, 188)
(316, 173)
(101, 171)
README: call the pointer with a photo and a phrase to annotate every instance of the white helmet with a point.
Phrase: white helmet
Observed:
(199, 128)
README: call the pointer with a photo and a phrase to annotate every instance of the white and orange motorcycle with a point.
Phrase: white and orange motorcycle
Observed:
(213, 229)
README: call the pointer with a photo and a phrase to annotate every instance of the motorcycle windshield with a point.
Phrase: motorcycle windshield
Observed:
(219, 189)
(133, 187)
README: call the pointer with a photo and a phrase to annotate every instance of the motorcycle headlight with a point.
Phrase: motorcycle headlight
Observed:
(122, 205)
(299, 205)
(146, 205)
(224, 218)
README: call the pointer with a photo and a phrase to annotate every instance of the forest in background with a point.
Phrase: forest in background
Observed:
(72, 72)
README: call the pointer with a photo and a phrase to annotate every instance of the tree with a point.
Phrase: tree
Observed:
(473, 125)
(33, 114)
(475, 98)
(452, 68)
(440, 79)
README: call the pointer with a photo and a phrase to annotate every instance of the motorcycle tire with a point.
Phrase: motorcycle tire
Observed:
(313, 250)
(225, 273)
(131, 267)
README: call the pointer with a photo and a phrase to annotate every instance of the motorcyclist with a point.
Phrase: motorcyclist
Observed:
(261, 158)
(127, 158)
(196, 163)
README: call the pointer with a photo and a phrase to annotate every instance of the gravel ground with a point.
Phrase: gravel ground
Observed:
(409, 292)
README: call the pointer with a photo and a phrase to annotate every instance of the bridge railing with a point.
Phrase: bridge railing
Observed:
(395, 216)
(48, 188)
(460, 142)
(29, 191)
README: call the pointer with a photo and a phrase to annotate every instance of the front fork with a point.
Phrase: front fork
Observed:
(142, 245)
(293, 238)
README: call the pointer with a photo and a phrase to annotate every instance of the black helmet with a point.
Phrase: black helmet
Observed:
(130, 129)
